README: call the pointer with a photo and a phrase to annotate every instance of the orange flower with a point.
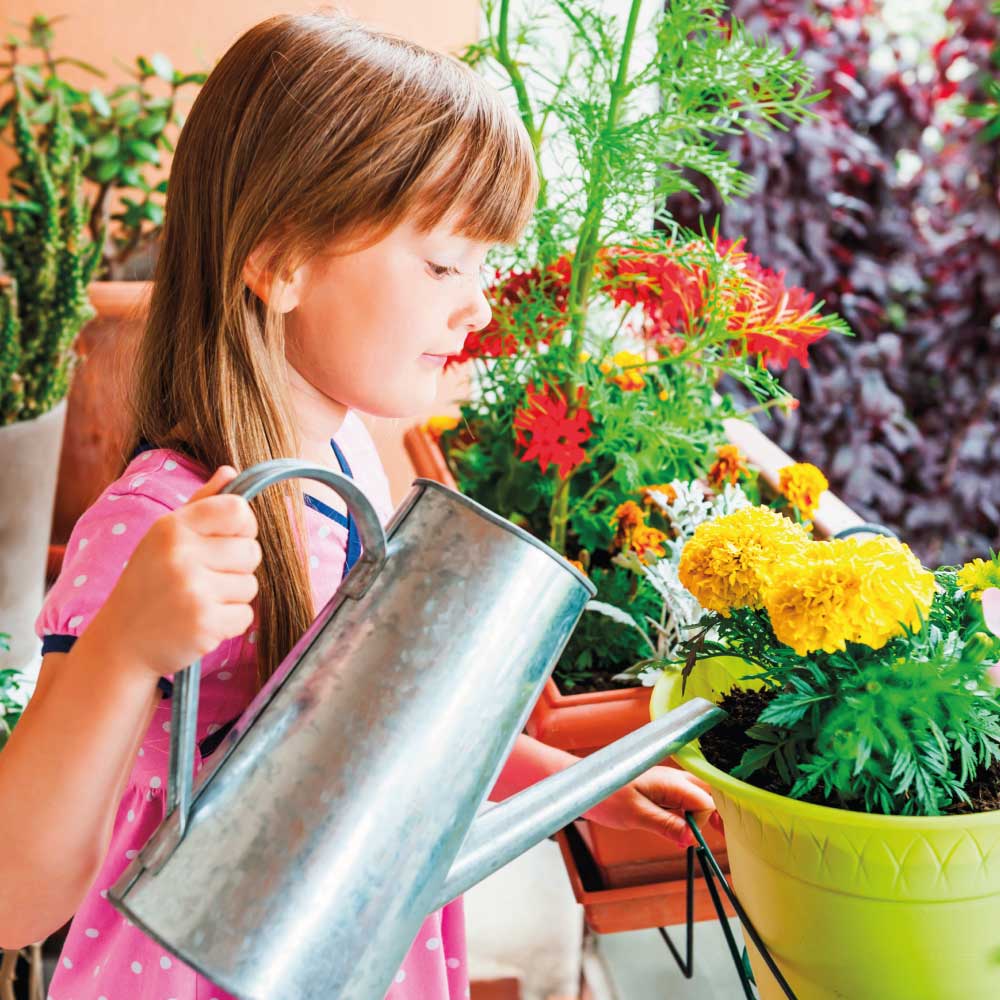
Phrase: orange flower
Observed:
(629, 376)
(728, 467)
(665, 488)
(632, 532)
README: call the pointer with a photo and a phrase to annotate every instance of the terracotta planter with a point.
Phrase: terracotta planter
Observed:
(630, 857)
(97, 415)
(653, 904)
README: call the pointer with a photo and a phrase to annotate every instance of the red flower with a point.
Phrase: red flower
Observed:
(776, 320)
(523, 301)
(548, 432)
(670, 294)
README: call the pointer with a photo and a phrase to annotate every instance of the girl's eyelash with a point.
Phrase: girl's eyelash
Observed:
(441, 270)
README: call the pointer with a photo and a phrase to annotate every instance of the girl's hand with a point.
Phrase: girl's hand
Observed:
(189, 583)
(656, 802)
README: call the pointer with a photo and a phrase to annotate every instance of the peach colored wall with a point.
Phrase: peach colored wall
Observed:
(194, 33)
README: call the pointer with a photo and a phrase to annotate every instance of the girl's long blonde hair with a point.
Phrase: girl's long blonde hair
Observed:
(311, 131)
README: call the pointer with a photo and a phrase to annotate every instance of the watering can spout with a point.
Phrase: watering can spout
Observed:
(508, 829)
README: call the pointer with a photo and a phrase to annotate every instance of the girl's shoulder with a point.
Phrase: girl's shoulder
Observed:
(162, 475)
(153, 484)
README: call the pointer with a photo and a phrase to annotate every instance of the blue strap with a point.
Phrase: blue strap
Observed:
(353, 538)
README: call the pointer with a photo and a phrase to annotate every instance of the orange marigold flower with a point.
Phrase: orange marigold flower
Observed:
(802, 485)
(632, 532)
(629, 376)
(549, 433)
(728, 467)
(665, 488)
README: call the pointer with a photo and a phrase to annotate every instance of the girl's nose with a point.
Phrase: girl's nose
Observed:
(480, 310)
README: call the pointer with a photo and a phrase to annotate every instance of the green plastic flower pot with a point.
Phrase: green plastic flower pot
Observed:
(850, 905)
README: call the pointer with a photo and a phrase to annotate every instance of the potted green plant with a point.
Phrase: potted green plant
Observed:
(46, 262)
(858, 775)
(597, 377)
(597, 380)
(121, 135)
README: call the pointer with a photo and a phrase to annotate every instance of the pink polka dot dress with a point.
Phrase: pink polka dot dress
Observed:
(105, 956)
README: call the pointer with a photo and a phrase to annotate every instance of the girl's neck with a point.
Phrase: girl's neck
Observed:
(317, 417)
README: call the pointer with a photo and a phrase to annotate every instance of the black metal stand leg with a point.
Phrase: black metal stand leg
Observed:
(685, 964)
(712, 873)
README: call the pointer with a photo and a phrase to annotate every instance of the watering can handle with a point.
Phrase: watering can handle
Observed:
(184, 704)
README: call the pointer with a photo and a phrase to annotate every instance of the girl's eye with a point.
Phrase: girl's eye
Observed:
(440, 270)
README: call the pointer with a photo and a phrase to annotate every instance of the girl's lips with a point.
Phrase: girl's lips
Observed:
(435, 359)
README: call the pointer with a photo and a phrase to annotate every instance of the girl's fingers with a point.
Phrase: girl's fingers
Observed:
(223, 475)
(220, 515)
(231, 555)
(234, 619)
(686, 795)
(667, 824)
(234, 588)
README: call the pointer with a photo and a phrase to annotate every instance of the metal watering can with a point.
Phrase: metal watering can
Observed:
(302, 862)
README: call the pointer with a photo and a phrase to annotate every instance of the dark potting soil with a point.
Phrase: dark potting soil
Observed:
(597, 683)
(725, 744)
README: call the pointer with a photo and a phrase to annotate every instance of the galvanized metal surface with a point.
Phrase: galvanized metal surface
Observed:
(316, 846)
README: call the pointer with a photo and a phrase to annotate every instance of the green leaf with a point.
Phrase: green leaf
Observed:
(42, 115)
(143, 150)
(106, 171)
(151, 125)
(107, 146)
(99, 103)
(163, 67)
(130, 177)
(88, 67)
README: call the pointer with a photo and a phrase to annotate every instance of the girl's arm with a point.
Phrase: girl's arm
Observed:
(62, 774)
(186, 588)
(655, 801)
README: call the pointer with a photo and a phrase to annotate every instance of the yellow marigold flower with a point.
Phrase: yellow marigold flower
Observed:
(802, 485)
(664, 395)
(631, 379)
(583, 357)
(579, 565)
(632, 532)
(730, 464)
(436, 426)
(848, 590)
(730, 561)
(979, 575)
(665, 488)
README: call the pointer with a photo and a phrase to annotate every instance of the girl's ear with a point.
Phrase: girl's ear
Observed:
(283, 293)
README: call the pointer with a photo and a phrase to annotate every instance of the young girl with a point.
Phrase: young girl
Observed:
(332, 198)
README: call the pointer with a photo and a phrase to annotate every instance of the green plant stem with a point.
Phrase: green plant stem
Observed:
(587, 244)
(507, 61)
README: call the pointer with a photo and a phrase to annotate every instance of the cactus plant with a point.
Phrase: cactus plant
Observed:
(46, 262)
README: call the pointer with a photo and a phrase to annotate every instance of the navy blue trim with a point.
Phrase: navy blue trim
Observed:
(323, 508)
(57, 643)
(167, 687)
(353, 538)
